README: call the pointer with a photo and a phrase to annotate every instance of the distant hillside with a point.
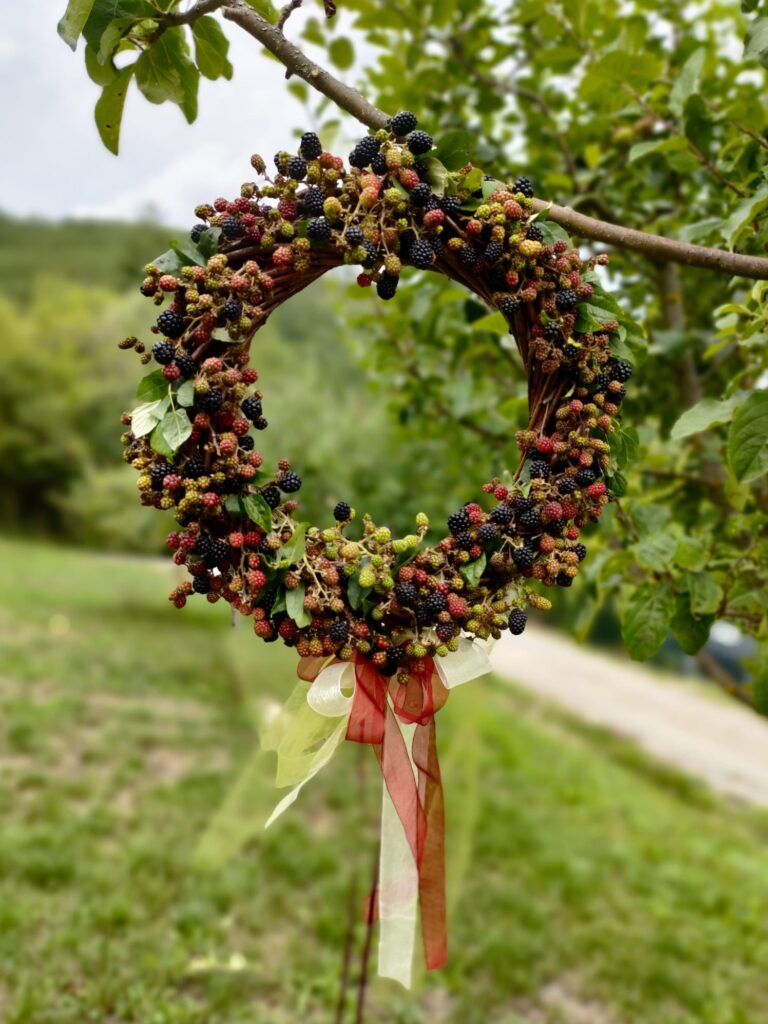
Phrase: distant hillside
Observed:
(107, 253)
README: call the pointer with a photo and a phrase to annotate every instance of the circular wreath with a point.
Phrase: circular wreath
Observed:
(333, 590)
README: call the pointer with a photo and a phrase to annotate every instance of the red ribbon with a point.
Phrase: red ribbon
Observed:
(418, 799)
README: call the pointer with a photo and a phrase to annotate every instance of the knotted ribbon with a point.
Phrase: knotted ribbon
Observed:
(355, 701)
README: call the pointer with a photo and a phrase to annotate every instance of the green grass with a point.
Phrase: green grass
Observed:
(582, 878)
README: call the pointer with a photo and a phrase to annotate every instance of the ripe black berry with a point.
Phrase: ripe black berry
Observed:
(501, 514)
(436, 603)
(216, 553)
(163, 351)
(566, 299)
(534, 233)
(465, 539)
(422, 254)
(371, 253)
(421, 194)
(406, 594)
(552, 331)
(310, 146)
(365, 150)
(487, 533)
(319, 228)
(230, 227)
(158, 472)
(201, 584)
(247, 443)
(339, 632)
(580, 550)
(467, 256)
(194, 467)
(585, 477)
(171, 324)
(458, 521)
(197, 232)
(437, 245)
(313, 200)
(509, 305)
(531, 519)
(289, 482)
(450, 205)
(271, 495)
(251, 408)
(261, 423)
(354, 234)
(563, 581)
(232, 310)
(419, 142)
(523, 557)
(538, 469)
(445, 632)
(211, 400)
(524, 185)
(567, 485)
(395, 658)
(379, 164)
(186, 365)
(621, 371)
(517, 621)
(402, 123)
(386, 286)
(342, 512)
(493, 252)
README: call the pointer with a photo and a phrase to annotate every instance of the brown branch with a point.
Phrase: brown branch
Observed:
(718, 675)
(344, 96)
(189, 17)
(287, 11)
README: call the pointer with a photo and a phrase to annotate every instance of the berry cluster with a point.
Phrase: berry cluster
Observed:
(324, 591)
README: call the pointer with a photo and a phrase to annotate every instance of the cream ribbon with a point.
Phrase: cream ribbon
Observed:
(305, 722)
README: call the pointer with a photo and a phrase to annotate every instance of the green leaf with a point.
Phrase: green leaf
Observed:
(646, 618)
(104, 12)
(208, 243)
(705, 414)
(146, 416)
(100, 73)
(189, 252)
(258, 511)
(294, 606)
(293, 550)
(760, 690)
(552, 232)
(152, 387)
(642, 149)
(186, 394)
(170, 262)
(491, 322)
(615, 68)
(690, 631)
(756, 43)
(474, 570)
(705, 593)
(164, 71)
(456, 148)
(109, 108)
(687, 83)
(73, 21)
(342, 53)
(176, 428)
(234, 505)
(743, 215)
(265, 8)
(748, 438)
(691, 553)
(211, 49)
(190, 82)
(473, 181)
(158, 443)
(437, 174)
(656, 551)
(490, 186)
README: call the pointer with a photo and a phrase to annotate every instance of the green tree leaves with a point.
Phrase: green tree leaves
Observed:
(646, 619)
(211, 49)
(108, 111)
(705, 414)
(73, 21)
(748, 438)
(164, 72)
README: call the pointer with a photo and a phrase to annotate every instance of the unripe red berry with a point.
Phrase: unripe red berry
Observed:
(171, 372)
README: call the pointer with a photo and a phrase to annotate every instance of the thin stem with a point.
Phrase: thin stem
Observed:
(362, 987)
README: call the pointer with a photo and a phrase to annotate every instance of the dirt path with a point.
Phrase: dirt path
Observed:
(713, 739)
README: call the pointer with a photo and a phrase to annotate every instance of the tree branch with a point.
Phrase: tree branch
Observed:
(718, 675)
(344, 96)
(189, 17)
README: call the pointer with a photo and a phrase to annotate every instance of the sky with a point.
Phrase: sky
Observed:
(54, 164)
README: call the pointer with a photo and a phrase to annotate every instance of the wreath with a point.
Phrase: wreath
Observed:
(402, 614)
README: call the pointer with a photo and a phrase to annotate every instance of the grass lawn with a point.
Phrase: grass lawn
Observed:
(587, 886)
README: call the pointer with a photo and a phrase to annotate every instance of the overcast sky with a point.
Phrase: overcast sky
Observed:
(54, 164)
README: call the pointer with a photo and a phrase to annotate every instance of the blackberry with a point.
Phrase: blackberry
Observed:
(395, 658)
(493, 252)
(296, 168)
(402, 123)
(313, 200)
(467, 256)
(534, 233)
(261, 423)
(186, 365)
(164, 352)
(171, 324)
(531, 519)
(437, 245)
(510, 305)
(421, 194)
(523, 557)
(465, 539)
(407, 241)
(379, 164)
(201, 584)
(271, 495)
(433, 203)
(580, 550)
(539, 470)
(310, 146)
(566, 299)
(354, 234)
(289, 482)
(386, 286)
(516, 622)
(419, 142)
(423, 614)
(319, 229)
(585, 477)
(436, 603)
(371, 254)
(194, 467)
(247, 443)
(523, 504)
(251, 408)
(601, 381)
(458, 521)
(450, 205)
(281, 159)
(342, 512)
(211, 401)
(159, 472)
(197, 232)
(567, 485)
(407, 594)
(496, 279)
(267, 600)
(422, 255)
(217, 553)
(621, 371)
(339, 632)
(232, 310)
(524, 185)
(445, 632)
(365, 150)
(501, 514)
(563, 581)
(553, 331)
(230, 227)
(617, 396)
(556, 526)
(421, 169)
(487, 533)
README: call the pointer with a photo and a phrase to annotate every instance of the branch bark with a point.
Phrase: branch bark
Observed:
(656, 247)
